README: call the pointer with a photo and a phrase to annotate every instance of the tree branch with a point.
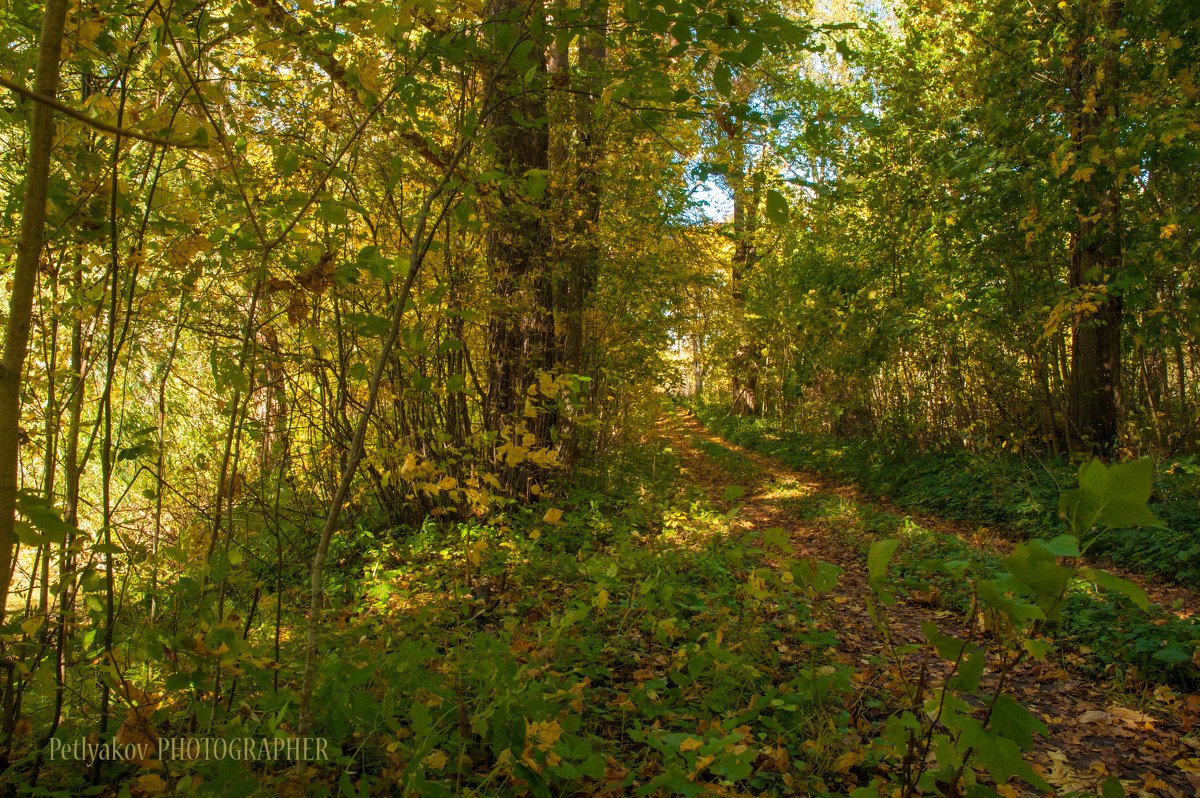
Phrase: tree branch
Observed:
(96, 123)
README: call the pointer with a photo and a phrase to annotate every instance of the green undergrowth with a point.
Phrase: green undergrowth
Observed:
(633, 640)
(730, 461)
(626, 638)
(1101, 633)
(1016, 494)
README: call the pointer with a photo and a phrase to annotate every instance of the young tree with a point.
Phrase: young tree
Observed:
(25, 269)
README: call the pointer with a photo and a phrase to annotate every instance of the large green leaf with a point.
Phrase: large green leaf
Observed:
(880, 555)
(1123, 586)
(723, 79)
(777, 207)
(1035, 565)
(970, 671)
(1016, 722)
(948, 646)
(995, 594)
(43, 517)
(1115, 496)
(1000, 755)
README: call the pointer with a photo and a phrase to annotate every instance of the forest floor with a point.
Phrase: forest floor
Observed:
(1097, 728)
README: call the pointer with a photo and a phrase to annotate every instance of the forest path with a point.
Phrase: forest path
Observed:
(1097, 729)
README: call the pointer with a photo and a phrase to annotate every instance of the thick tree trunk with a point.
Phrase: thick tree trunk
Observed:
(583, 254)
(521, 327)
(20, 307)
(575, 163)
(1096, 256)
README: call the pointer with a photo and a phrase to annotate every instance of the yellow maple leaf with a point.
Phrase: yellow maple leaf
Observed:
(368, 75)
(543, 733)
(1168, 230)
(690, 744)
(1083, 173)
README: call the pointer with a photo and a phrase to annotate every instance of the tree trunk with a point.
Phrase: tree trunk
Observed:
(521, 327)
(575, 163)
(744, 366)
(583, 253)
(1096, 256)
(20, 307)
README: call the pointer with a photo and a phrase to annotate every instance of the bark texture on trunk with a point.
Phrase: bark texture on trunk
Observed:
(1096, 254)
(521, 327)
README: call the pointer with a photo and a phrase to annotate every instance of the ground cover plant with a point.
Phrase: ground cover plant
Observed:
(1018, 494)
(1104, 630)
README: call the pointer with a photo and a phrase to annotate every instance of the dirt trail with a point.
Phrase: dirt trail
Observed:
(1096, 730)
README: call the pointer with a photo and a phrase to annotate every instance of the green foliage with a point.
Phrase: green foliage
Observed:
(1115, 497)
(643, 630)
(1116, 635)
(1018, 495)
(1020, 600)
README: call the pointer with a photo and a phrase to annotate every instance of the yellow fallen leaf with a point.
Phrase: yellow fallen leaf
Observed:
(1191, 765)
(690, 744)
(436, 759)
(846, 761)
(543, 733)
(1130, 716)
(1152, 782)
(552, 515)
(152, 783)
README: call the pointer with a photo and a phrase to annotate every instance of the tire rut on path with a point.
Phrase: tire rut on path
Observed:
(1092, 736)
